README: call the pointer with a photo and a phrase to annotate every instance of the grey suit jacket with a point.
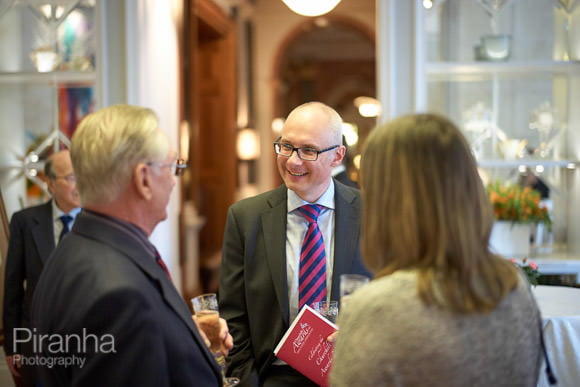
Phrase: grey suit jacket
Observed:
(101, 280)
(30, 245)
(253, 292)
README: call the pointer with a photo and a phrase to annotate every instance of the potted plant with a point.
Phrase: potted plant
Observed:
(515, 208)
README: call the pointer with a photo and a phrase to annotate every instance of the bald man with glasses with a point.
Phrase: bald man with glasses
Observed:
(264, 274)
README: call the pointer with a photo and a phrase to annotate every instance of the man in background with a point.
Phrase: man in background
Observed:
(34, 232)
(106, 282)
(340, 172)
(262, 265)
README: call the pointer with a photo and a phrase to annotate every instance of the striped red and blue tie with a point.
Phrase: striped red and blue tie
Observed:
(312, 282)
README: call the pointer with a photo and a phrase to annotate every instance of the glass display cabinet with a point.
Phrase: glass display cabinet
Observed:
(508, 73)
(47, 84)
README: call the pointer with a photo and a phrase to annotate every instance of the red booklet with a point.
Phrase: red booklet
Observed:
(304, 346)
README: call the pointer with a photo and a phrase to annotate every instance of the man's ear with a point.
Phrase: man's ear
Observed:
(142, 181)
(338, 156)
(50, 185)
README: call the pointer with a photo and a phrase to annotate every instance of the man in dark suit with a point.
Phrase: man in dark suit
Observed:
(260, 275)
(34, 232)
(340, 172)
(105, 289)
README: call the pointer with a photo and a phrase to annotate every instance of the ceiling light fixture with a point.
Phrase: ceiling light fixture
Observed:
(311, 7)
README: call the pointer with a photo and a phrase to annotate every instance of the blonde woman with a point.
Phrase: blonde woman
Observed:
(442, 310)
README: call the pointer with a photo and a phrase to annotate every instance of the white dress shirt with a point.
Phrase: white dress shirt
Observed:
(297, 226)
(57, 223)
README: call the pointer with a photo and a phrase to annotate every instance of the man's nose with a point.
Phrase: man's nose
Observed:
(294, 156)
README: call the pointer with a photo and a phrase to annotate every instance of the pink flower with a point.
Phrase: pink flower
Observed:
(533, 265)
(513, 260)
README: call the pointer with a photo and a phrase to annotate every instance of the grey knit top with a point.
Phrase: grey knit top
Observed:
(389, 337)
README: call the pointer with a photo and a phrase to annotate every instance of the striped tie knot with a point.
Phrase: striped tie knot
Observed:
(310, 212)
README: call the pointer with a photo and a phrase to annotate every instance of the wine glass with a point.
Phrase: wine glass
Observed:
(567, 7)
(327, 309)
(349, 283)
(492, 7)
(207, 316)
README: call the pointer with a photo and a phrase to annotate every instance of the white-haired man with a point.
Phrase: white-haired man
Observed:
(105, 295)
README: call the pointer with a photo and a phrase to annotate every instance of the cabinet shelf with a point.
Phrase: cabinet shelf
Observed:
(501, 163)
(480, 71)
(47, 78)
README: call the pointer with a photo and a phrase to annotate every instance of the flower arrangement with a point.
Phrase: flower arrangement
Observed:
(530, 268)
(517, 204)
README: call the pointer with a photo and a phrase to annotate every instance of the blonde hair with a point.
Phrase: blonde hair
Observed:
(108, 145)
(425, 208)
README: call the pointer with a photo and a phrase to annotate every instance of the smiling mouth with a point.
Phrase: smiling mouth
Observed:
(297, 174)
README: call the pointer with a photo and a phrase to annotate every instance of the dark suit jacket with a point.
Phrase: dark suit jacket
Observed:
(253, 291)
(344, 179)
(31, 242)
(100, 281)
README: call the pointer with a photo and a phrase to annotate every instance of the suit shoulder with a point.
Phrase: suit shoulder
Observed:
(349, 193)
(28, 212)
(261, 201)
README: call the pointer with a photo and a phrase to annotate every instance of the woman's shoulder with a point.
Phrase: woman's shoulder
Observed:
(401, 285)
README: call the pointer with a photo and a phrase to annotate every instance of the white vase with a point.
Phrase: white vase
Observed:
(511, 240)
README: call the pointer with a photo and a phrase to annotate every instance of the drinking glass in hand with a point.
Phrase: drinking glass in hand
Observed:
(327, 309)
(207, 315)
(348, 284)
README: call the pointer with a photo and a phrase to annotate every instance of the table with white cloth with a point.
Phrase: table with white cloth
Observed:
(560, 307)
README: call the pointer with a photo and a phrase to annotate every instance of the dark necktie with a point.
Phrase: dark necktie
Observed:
(312, 281)
(160, 262)
(65, 219)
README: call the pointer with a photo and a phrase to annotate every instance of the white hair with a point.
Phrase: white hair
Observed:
(108, 145)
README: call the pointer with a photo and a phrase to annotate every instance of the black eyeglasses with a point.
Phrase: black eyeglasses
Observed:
(177, 168)
(306, 153)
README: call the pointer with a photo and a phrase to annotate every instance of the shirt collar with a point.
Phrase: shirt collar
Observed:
(57, 212)
(128, 228)
(326, 200)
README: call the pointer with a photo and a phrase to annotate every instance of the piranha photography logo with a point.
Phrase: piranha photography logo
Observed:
(63, 350)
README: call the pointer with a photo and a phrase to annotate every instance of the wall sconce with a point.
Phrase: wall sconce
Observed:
(356, 161)
(368, 106)
(277, 125)
(248, 144)
(350, 133)
(311, 7)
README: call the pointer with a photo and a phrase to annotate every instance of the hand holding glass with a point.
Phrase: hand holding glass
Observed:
(207, 317)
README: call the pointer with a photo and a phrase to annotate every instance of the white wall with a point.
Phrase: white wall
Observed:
(152, 60)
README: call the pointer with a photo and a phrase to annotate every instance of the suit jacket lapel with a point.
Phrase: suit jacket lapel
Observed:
(274, 231)
(173, 299)
(43, 231)
(346, 237)
(142, 258)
